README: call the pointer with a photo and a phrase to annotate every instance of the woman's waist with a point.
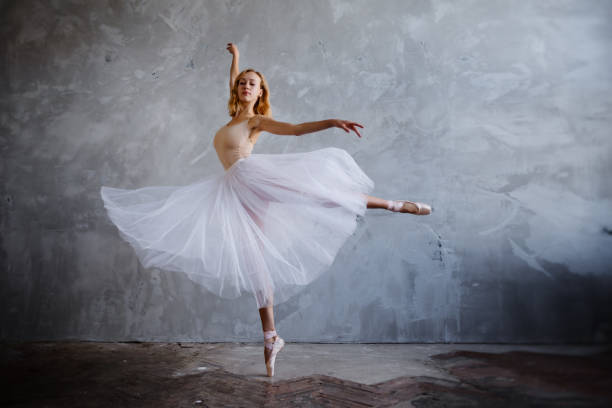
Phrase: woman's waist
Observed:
(229, 156)
(231, 163)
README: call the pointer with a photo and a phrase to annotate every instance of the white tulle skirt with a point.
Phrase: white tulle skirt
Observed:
(269, 225)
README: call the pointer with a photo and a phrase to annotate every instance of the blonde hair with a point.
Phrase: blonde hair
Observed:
(262, 106)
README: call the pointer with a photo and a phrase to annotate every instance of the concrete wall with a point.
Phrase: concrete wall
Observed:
(499, 113)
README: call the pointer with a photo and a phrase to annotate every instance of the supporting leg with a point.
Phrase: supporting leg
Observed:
(263, 295)
(267, 318)
(267, 324)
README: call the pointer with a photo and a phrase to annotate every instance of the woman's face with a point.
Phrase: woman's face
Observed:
(249, 87)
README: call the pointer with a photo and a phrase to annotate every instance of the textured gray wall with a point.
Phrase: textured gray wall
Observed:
(496, 112)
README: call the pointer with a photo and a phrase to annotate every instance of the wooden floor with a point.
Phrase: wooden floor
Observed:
(89, 374)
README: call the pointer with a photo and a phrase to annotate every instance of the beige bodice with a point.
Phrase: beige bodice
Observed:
(232, 143)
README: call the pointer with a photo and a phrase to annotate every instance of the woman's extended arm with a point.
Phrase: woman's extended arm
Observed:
(234, 71)
(282, 128)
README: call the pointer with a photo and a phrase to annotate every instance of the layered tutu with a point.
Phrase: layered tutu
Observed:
(268, 225)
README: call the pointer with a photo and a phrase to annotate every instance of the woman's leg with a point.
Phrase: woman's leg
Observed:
(375, 202)
(267, 324)
(267, 318)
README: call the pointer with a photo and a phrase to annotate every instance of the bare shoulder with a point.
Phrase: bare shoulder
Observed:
(257, 122)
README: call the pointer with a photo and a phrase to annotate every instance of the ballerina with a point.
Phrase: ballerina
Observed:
(269, 225)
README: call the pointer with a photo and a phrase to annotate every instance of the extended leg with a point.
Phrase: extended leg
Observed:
(404, 206)
(375, 202)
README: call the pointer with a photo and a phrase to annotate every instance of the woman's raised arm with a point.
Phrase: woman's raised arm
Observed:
(234, 71)
(282, 128)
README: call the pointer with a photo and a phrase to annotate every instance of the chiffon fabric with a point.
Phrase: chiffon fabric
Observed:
(269, 224)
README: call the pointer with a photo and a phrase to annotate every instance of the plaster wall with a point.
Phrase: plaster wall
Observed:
(498, 113)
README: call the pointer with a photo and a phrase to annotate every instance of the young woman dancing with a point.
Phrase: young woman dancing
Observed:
(269, 224)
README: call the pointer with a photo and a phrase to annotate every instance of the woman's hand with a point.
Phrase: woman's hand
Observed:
(347, 125)
(231, 47)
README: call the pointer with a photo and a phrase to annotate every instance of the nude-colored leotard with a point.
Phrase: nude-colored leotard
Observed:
(232, 143)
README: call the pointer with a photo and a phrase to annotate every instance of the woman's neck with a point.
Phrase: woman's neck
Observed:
(245, 110)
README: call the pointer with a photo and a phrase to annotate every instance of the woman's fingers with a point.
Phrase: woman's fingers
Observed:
(353, 127)
(348, 126)
(231, 47)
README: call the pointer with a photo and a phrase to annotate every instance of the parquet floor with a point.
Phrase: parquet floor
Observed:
(88, 374)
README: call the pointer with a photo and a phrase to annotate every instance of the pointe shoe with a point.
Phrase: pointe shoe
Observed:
(400, 206)
(275, 346)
